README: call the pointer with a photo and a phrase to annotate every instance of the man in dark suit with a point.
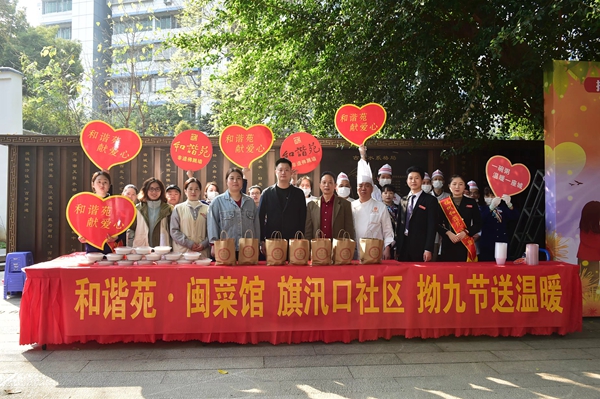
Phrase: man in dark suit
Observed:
(417, 220)
(282, 206)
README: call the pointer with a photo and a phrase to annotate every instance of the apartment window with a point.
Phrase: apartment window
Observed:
(56, 6)
(64, 33)
(167, 22)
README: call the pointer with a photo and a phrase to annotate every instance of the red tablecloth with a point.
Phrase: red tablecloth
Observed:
(65, 303)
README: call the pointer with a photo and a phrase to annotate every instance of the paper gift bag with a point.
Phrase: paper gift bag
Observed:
(299, 250)
(370, 250)
(276, 249)
(343, 249)
(225, 250)
(320, 250)
(248, 249)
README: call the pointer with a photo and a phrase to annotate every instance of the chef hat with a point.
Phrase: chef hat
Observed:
(472, 185)
(437, 173)
(363, 173)
(341, 177)
(387, 169)
(426, 177)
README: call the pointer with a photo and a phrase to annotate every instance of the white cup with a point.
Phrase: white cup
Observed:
(500, 252)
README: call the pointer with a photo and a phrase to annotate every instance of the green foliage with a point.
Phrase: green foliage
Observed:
(49, 104)
(446, 69)
(12, 24)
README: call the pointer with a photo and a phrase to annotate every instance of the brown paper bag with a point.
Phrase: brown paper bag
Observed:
(343, 249)
(225, 250)
(320, 250)
(276, 249)
(248, 249)
(370, 250)
(299, 250)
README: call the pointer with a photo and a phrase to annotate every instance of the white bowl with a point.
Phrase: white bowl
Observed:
(123, 250)
(203, 262)
(144, 262)
(173, 257)
(191, 255)
(153, 257)
(125, 263)
(162, 250)
(105, 263)
(114, 257)
(94, 256)
(164, 262)
(133, 256)
(143, 250)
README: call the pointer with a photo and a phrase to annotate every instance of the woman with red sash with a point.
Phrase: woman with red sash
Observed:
(460, 221)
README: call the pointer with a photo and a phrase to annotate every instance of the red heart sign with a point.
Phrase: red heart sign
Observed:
(243, 146)
(358, 124)
(191, 150)
(107, 147)
(95, 218)
(303, 150)
(506, 178)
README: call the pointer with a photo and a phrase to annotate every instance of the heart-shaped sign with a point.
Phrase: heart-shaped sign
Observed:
(243, 146)
(191, 150)
(303, 150)
(96, 218)
(107, 147)
(356, 124)
(506, 178)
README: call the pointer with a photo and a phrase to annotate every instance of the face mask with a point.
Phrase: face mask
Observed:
(383, 182)
(211, 195)
(438, 184)
(488, 201)
(426, 188)
(343, 191)
(307, 191)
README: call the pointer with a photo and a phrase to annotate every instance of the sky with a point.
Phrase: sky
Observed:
(33, 10)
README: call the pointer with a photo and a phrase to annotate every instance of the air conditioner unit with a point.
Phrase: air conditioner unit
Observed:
(168, 2)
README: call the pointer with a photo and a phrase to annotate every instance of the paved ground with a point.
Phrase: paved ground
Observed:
(449, 368)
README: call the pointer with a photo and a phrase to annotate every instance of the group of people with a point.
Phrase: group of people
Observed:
(426, 225)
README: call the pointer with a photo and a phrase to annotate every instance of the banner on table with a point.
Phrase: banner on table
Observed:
(107, 147)
(261, 298)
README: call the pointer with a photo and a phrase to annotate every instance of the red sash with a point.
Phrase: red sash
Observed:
(458, 225)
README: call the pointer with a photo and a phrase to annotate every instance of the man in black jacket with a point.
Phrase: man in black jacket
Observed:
(282, 206)
(417, 220)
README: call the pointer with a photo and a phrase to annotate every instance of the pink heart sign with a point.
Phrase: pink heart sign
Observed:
(97, 218)
(191, 150)
(107, 147)
(243, 146)
(303, 150)
(356, 124)
(506, 178)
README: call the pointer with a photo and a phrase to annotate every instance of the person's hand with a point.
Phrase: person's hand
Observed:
(212, 251)
(197, 247)
(110, 238)
(82, 239)
(506, 199)
(461, 235)
(263, 249)
(363, 151)
(245, 172)
(476, 237)
(387, 253)
(453, 237)
(190, 173)
(495, 203)
(427, 256)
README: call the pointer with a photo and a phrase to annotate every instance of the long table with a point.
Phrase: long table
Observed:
(64, 303)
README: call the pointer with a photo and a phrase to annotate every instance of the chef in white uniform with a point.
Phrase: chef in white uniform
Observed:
(371, 218)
